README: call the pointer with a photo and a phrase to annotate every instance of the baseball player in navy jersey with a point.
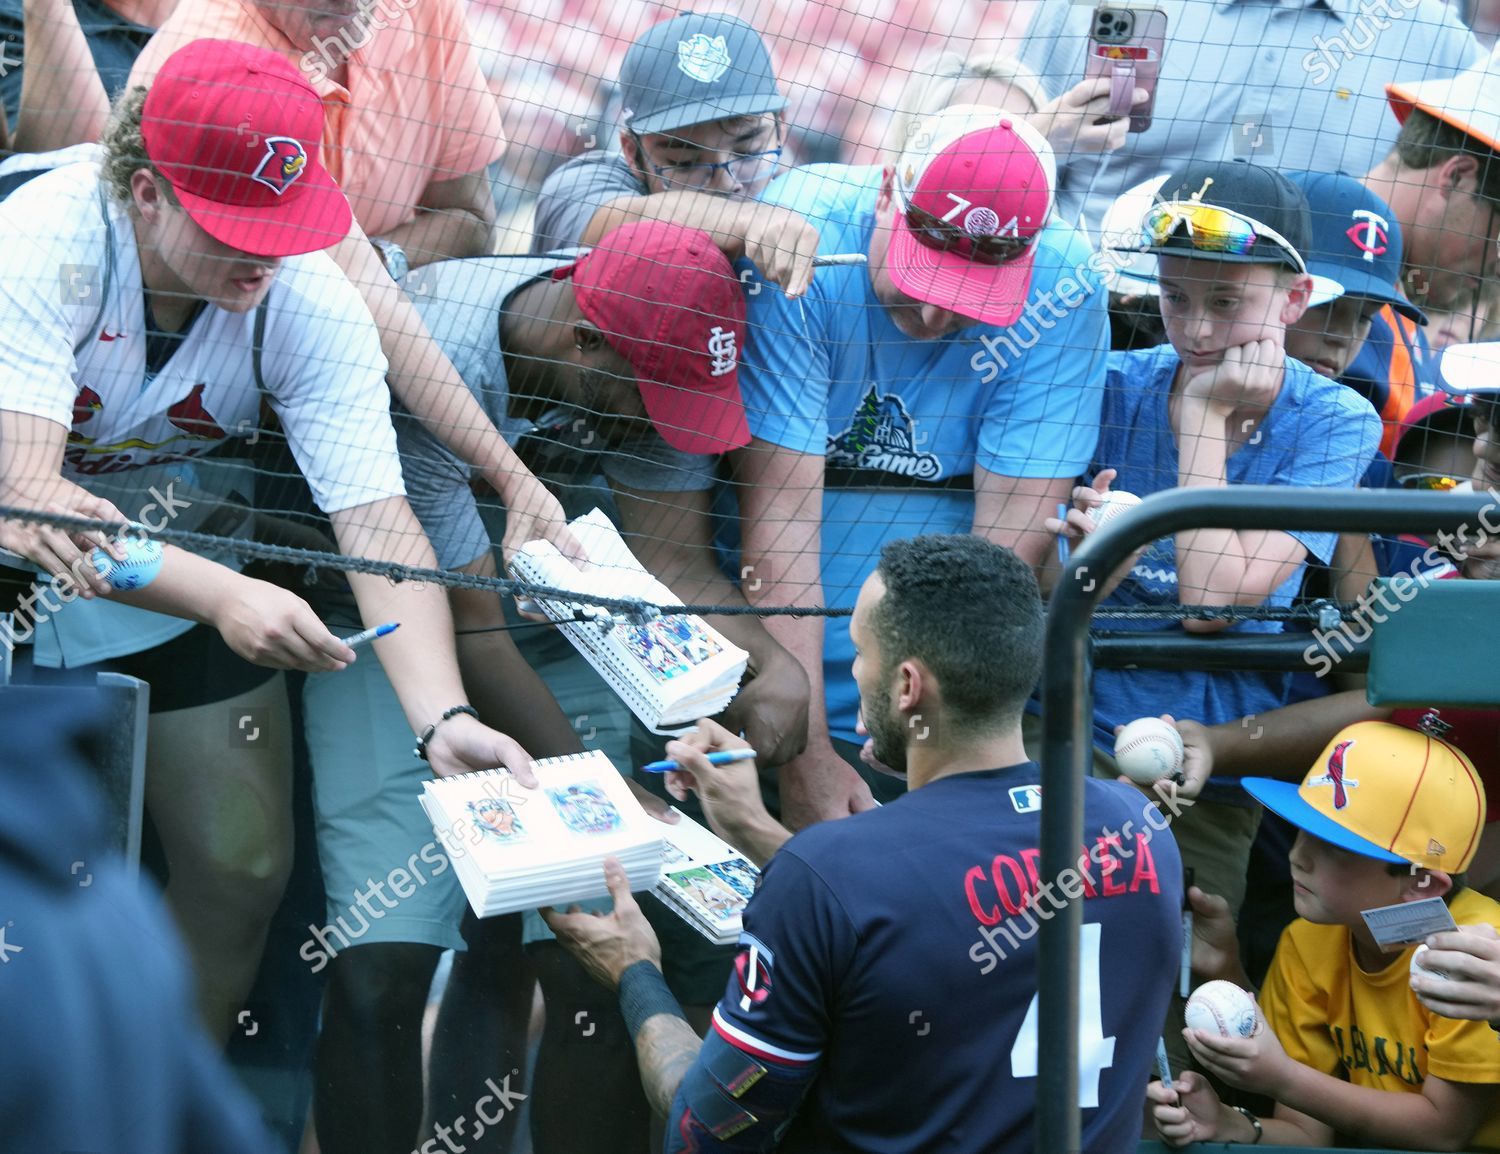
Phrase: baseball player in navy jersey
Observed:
(884, 996)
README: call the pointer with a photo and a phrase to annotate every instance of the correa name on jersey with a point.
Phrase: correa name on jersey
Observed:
(1006, 894)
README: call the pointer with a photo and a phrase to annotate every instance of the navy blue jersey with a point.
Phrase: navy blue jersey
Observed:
(891, 957)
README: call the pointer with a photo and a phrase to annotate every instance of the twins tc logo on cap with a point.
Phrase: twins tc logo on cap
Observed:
(1370, 233)
(701, 57)
(1335, 775)
(285, 160)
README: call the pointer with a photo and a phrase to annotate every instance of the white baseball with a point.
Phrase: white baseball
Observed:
(1111, 505)
(1148, 750)
(1419, 970)
(1222, 1008)
(141, 565)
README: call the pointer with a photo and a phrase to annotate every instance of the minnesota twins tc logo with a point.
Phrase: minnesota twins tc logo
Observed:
(1369, 233)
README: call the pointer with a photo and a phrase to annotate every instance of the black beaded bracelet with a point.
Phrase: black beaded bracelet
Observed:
(426, 734)
(643, 995)
(1260, 1131)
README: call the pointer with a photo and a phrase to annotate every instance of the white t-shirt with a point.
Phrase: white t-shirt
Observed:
(321, 363)
(323, 368)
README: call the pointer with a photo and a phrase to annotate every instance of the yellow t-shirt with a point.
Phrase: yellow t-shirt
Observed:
(1331, 1015)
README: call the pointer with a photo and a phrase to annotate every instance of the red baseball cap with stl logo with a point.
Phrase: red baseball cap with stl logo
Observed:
(235, 129)
(973, 190)
(667, 300)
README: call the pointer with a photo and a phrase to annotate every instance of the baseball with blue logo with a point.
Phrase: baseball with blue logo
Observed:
(141, 565)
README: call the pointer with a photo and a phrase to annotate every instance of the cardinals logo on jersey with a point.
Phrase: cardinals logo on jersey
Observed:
(192, 418)
(1336, 775)
(85, 405)
(285, 160)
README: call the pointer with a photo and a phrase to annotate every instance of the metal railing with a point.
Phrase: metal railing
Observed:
(1067, 706)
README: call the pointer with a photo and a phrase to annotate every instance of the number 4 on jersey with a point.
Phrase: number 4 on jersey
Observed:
(1095, 1051)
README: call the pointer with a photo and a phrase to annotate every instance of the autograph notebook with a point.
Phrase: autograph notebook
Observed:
(670, 671)
(516, 849)
(705, 881)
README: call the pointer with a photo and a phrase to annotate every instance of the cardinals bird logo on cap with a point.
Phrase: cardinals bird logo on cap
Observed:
(285, 160)
(1335, 775)
(703, 58)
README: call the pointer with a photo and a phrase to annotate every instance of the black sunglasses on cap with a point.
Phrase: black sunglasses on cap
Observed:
(942, 236)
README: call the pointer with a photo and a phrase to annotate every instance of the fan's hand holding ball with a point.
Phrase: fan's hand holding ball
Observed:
(1111, 505)
(141, 565)
(1224, 1009)
(1148, 750)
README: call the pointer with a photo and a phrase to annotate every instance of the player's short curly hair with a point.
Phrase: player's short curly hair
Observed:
(125, 148)
(971, 612)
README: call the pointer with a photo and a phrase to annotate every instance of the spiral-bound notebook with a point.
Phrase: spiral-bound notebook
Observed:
(516, 849)
(670, 671)
(706, 881)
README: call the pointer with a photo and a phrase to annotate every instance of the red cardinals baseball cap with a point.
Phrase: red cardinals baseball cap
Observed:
(667, 300)
(973, 191)
(1388, 793)
(235, 130)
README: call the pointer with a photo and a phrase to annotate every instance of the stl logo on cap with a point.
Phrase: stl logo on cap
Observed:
(704, 58)
(1370, 233)
(723, 351)
(285, 160)
(1335, 775)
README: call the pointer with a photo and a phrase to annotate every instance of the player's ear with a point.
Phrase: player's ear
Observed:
(586, 336)
(149, 199)
(1424, 883)
(1298, 288)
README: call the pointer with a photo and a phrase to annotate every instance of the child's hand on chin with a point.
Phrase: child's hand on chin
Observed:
(1248, 376)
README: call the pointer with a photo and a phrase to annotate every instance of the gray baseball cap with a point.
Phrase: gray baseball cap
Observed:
(695, 68)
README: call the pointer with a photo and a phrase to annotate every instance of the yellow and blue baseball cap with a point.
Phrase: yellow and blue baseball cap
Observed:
(1389, 793)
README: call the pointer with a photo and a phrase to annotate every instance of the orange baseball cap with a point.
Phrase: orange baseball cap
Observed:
(1389, 793)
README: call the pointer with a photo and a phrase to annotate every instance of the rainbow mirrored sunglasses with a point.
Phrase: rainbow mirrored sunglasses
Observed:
(1213, 229)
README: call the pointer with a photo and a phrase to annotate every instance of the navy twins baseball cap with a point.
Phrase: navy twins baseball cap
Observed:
(1356, 239)
(695, 68)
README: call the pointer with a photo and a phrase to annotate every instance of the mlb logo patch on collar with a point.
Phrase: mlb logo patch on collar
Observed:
(1026, 798)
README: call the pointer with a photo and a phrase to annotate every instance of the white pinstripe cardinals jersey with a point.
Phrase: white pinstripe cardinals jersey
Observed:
(322, 365)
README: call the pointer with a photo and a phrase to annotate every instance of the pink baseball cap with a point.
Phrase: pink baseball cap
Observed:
(667, 300)
(236, 129)
(973, 191)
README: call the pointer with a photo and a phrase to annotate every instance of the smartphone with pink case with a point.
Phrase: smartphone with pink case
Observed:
(1126, 45)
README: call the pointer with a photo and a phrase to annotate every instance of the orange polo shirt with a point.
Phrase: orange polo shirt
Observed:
(416, 110)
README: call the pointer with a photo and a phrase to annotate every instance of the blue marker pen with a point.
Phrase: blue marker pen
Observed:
(723, 757)
(1062, 534)
(370, 634)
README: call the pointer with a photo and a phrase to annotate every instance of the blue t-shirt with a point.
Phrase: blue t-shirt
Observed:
(894, 949)
(903, 423)
(1317, 434)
